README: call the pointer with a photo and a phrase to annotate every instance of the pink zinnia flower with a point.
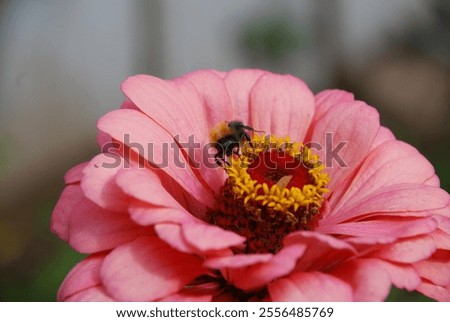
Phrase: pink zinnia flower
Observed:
(161, 224)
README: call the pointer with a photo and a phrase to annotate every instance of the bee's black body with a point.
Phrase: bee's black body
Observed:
(229, 142)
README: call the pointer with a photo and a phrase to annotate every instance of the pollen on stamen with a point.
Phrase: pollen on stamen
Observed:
(274, 187)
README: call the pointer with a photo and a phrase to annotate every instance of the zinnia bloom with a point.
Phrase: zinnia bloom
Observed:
(343, 218)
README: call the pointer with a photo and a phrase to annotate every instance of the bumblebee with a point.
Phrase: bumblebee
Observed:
(227, 138)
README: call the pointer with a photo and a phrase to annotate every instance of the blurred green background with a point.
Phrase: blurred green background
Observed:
(62, 62)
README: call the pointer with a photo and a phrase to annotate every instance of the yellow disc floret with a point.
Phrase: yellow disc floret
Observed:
(287, 191)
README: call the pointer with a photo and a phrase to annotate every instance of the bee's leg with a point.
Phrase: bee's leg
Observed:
(248, 139)
(220, 160)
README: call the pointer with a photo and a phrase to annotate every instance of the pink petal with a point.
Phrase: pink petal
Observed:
(165, 104)
(389, 227)
(99, 184)
(441, 239)
(141, 130)
(402, 276)
(206, 91)
(362, 243)
(212, 92)
(442, 235)
(180, 112)
(260, 274)
(281, 105)
(147, 215)
(183, 197)
(443, 223)
(89, 228)
(128, 104)
(438, 293)
(310, 287)
(237, 261)
(147, 269)
(353, 124)
(59, 222)
(368, 278)
(75, 174)
(105, 143)
(391, 163)
(199, 238)
(93, 294)
(239, 83)
(85, 275)
(145, 185)
(391, 199)
(172, 235)
(436, 269)
(322, 250)
(384, 135)
(409, 250)
(433, 181)
(328, 99)
(206, 237)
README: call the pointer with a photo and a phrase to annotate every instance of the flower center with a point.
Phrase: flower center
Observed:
(274, 187)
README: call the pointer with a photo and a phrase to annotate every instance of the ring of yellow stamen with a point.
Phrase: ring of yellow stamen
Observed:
(278, 196)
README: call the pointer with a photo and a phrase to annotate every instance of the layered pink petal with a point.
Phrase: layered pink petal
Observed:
(281, 105)
(443, 223)
(402, 276)
(151, 140)
(89, 228)
(145, 184)
(93, 294)
(178, 109)
(239, 83)
(368, 278)
(212, 92)
(342, 138)
(281, 264)
(106, 143)
(99, 184)
(310, 287)
(434, 181)
(436, 269)
(328, 99)
(172, 235)
(207, 93)
(75, 174)
(391, 199)
(146, 215)
(128, 104)
(237, 261)
(322, 250)
(183, 197)
(383, 135)
(206, 237)
(381, 228)
(147, 269)
(436, 292)
(409, 250)
(166, 105)
(441, 239)
(59, 222)
(199, 238)
(391, 163)
(85, 275)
